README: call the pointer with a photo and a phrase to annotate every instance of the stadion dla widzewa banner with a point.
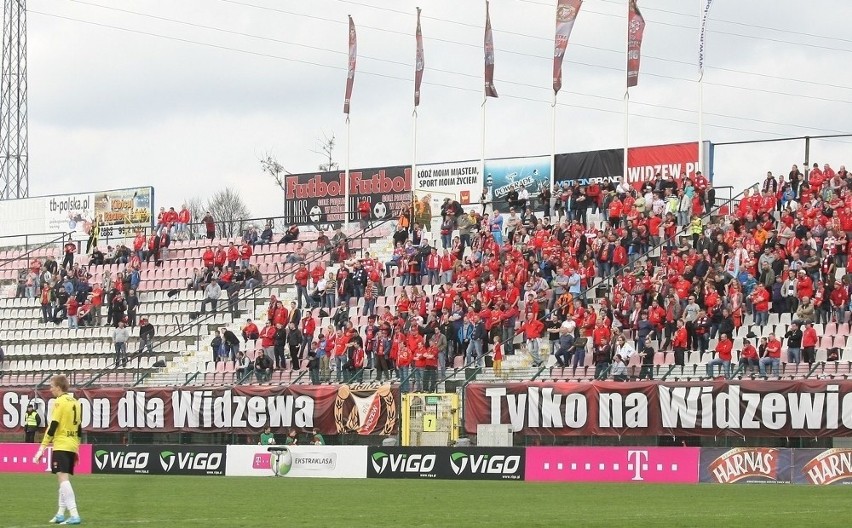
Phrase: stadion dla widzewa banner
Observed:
(318, 198)
(750, 408)
(343, 409)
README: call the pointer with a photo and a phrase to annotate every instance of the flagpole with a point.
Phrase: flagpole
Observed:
(346, 177)
(703, 11)
(626, 130)
(553, 158)
(482, 152)
(626, 93)
(414, 165)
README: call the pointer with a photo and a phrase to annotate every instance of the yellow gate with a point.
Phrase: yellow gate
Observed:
(430, 419)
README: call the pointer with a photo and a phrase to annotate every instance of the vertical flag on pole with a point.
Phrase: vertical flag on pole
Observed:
(635, 29)
(353, 55)
(490, 90)
(566, 14)
(419, 62)
(704, 15)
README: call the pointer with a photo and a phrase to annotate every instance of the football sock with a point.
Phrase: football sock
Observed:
(67, 493)
(61, 511)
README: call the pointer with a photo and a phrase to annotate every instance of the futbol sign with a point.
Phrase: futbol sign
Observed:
(345, 409)
(320, 198)
(749, 408)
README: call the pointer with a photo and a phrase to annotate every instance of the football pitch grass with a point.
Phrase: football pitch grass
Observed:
(209, 502)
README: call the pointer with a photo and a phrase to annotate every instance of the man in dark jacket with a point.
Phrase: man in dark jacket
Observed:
(232, 343)
(146, 336)
(294, 343)
(132, 305)
(280, 346)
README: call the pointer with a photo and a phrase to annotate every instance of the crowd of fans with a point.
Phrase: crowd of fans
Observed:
(494, 271)
(487, 277)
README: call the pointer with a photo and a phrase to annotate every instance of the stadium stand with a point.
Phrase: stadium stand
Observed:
(663, 272)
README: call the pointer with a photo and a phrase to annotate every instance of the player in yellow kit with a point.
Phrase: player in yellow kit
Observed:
(64, 431)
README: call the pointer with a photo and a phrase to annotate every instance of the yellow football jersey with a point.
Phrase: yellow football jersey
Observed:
(67, 412)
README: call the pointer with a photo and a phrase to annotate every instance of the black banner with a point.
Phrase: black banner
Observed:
(318, 198)
(598, 166)
(471, 463)
(159, 460)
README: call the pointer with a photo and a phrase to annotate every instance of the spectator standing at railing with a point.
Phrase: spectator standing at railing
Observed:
(46, 297)
(71, 308)
(301, 277)
(68, 255)
(184, 217)
(146, 336)
(120, 336)
(209, 225)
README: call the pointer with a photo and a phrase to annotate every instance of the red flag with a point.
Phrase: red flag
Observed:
(490, 90)
(566, 14)
(419, 62)
(353, 55)
(635, 29)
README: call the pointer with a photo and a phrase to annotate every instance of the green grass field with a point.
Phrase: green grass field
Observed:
(209, 502)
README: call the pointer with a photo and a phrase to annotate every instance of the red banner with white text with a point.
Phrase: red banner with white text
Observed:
(343, 409)
(808, 408)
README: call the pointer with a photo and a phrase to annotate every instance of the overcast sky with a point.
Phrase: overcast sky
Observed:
(187, 96)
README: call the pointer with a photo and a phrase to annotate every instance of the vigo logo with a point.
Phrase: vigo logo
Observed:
(127, 460)
(196, 461)
(402, 463)
(484, 464)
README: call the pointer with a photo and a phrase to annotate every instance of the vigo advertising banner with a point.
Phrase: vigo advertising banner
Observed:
(813, 408)
(506, 174)
(822, 466)
(318, 198)
(462, 463)
(18, 458)
(344, 409)
(747, 465)
(159, 459)
(298, 461)
(613, 464)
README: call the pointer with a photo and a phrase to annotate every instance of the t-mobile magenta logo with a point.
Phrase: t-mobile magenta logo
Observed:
(639, 462)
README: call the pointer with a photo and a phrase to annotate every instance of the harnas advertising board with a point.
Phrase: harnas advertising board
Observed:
(476, 463)
(159, 460)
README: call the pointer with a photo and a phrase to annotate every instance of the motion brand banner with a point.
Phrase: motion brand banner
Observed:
(815, 408)
(344, 409)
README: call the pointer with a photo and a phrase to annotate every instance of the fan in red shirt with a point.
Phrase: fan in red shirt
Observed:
(220, 257)
(723, 357)
(208, 258)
